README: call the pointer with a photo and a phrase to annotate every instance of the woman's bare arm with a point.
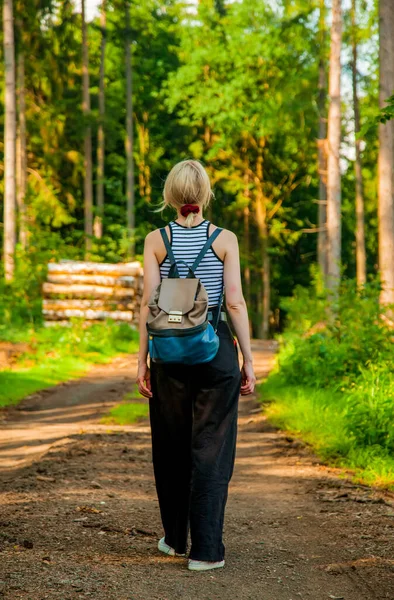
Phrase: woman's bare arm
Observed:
(236, 307)
(151, 280)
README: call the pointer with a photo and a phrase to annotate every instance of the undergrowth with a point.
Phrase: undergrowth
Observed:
(57, 354)
(334, 384)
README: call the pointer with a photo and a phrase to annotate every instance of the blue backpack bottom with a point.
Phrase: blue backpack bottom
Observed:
(191, 346)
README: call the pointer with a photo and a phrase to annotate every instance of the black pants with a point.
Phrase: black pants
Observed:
(193, 416)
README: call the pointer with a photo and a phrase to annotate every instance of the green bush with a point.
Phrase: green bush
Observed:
(104, 338)
(60, 353)
(307, 306)
(369, 417)
(334, 382)
(21, 300)
(334, 355)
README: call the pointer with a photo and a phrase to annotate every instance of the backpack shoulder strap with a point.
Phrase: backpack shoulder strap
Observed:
(205, 248)
(167, 245)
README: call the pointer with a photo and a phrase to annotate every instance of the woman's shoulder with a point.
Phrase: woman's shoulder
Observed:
(225, 244)
(226, 235)
(155, 235)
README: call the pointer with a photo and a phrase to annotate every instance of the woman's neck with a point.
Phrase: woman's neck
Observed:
(197, 220)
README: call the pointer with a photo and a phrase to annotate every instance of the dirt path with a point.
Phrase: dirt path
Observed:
(79, 517)
(49, 418)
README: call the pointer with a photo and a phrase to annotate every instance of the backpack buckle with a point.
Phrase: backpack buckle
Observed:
(175, 316)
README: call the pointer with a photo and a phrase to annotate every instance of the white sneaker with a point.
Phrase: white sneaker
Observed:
(202, 565)
(163, 547)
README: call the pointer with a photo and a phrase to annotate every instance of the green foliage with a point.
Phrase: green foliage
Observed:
(306, 307)
(103, 340)
(21, 300)
(382, 116)
(51, 32)
(60, 353)
(316, 413)
(369, 414)
(230, 83)
(387, 112)
(17, 384)
(326, 351)
(321, 417)
(248, 91)
(334, 380)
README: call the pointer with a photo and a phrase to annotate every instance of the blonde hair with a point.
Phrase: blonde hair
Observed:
(187, 183)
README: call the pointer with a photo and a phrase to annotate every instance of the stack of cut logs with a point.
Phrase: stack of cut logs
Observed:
(92, 291)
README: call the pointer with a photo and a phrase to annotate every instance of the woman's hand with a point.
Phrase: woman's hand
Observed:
(143, 380)
(248, 379)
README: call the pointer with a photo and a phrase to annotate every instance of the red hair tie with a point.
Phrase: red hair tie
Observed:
(189, 208)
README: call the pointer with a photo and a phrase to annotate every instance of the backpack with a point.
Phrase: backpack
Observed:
(177, 324)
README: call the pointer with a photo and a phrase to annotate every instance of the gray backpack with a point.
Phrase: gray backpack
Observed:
(178, 326)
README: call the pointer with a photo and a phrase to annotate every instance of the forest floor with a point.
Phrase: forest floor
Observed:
(79, 516)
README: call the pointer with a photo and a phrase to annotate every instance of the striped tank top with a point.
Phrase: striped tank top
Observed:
(186, 243)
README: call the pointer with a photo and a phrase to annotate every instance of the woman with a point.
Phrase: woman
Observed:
(193, 408)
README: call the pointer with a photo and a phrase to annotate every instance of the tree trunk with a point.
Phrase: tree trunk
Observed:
(129, 134)
(386, 154)
(261, 218)
(104, 304)
(21, 164)
(9, 140)
(246, 214)
(132, 269)
(258, 325)
(361, 261)
(107, 280)
(88, 314)
(333, 148)
(144, 182)
(266, 291)
(88, 185)
(98, 223)
(322, 155)
(247, 253)
(86, 291)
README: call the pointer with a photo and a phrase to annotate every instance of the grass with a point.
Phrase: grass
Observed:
(333, 385)
(59, 354)
(319, 417)
(20, 382)
(127, 412)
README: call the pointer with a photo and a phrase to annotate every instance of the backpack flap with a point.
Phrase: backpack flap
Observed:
(177, 297)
